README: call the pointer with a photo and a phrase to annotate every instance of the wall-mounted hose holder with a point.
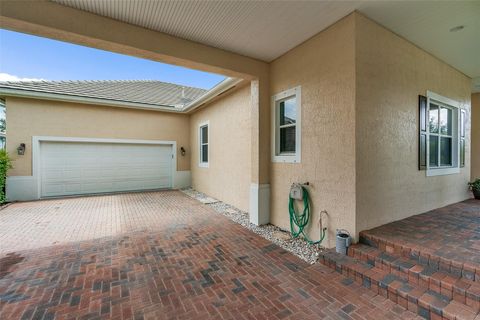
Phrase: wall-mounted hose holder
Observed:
(298, 221)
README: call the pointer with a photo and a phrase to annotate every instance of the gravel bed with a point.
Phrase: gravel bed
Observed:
(299, 247)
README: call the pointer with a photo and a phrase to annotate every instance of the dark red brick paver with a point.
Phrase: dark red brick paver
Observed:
(195, 264)
(446, 239)
(426, 263)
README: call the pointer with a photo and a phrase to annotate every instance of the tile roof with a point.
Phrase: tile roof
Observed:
(149, 92)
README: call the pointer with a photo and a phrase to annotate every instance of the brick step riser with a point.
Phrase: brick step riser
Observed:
(404, 299)
(456, 293)
(408, 302)
(453, 267)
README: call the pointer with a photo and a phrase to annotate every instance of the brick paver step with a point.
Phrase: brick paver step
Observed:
(415, 297)
(444, 239)
(461, 289)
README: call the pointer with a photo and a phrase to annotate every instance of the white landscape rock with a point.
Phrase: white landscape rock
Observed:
(208, 200)
(299, 247)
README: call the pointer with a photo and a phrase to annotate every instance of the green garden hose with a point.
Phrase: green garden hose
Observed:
(300, 221)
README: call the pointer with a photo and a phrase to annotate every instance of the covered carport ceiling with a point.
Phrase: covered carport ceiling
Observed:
(267, 29)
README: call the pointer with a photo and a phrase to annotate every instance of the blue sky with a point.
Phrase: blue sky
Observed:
(27, 56)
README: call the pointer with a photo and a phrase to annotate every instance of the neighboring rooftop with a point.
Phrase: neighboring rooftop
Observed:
(150, 93)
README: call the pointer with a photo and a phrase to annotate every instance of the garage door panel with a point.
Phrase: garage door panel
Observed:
(53, 163)
(54, 174)
(73, 188)
(53, 188)
(70, 168)
(98, 187)
(71, 174)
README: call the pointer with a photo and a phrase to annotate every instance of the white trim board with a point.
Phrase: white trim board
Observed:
(259, 213)
(440, 98)
(21, 188)
(183, 179)
(7, 92)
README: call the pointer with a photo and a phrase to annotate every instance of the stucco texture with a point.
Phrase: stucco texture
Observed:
(96, 31)
(475, 135)
(31, 117)
(324, 68)
(360, 84)
(390, 74)
(228, 174)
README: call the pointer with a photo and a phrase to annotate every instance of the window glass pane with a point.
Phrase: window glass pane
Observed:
(288, 111)
(205, 134)
(462, 123)
(205, 153)
(446, 121)
(433, 154)
(433, 118)
(287, 139)
(462, 152)
(445, 151)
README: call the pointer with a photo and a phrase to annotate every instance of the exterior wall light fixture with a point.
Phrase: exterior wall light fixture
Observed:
(183, 151)
(21, 149)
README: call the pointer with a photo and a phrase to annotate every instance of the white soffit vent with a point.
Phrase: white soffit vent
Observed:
(260, 29)
(267, 29)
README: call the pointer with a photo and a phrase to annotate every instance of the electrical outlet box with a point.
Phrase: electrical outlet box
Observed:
(296, 192)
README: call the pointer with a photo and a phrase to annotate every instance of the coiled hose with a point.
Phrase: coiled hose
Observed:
(300, 221)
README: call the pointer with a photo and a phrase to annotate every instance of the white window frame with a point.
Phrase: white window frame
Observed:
(456, 109)
(201, 163)
(276, 99)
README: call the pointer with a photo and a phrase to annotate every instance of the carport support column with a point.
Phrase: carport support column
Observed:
(260, 154)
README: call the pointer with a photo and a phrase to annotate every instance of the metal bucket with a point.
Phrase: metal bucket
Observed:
(343, 241)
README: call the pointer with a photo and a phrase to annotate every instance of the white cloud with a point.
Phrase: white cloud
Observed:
(11, 77)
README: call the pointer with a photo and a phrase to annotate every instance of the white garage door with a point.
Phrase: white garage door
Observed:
(74, 168)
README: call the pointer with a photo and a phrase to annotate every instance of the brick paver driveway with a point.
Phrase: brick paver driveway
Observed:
(160, 255)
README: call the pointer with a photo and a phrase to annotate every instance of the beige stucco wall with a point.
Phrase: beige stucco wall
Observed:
(324, 68)
(31, 117)
(227, 177)
(360, 85)
(475, 136)
(390, 74)
(56, 22)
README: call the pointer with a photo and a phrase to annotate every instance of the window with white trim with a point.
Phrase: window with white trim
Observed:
(203, 143)
(443, 135)
(286, 124)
